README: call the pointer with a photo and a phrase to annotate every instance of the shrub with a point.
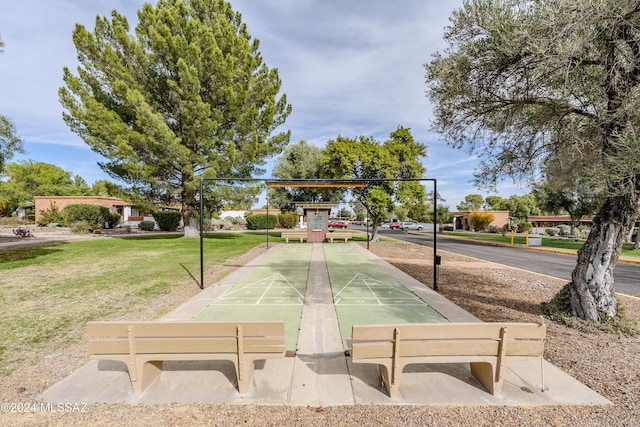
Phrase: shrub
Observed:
(83, 227)
(168, 220)
(552, 231)
(259, 222)
(52, 215)
(523, 226)
(288, 219)
(494, 229)
(92, 214)
(447, 227)
(564, 229)
(481, 220)
(146, 225)
(113, 219)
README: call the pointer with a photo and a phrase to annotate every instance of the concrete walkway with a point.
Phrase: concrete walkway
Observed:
(320, 374)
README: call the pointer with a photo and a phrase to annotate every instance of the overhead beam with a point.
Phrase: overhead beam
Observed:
(317, 183)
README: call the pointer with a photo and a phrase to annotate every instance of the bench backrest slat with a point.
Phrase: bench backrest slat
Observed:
(185, 329)
(448, 330)
(185, 337)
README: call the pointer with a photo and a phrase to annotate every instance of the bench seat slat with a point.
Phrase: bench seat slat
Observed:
(380, 349)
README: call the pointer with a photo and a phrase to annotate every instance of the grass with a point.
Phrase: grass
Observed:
(549, 242)
(48, 293)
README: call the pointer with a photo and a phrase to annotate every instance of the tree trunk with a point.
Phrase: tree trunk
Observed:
(636, 246)
(592, 294)
(190, 223)
(374, 231)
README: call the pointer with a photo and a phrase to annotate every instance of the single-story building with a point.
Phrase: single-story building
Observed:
(129, 215)
(462, 220)
(546, 221)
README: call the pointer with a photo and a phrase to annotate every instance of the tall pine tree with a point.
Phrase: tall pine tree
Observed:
(185, 97)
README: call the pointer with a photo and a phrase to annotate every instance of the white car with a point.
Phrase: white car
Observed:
(411, 226)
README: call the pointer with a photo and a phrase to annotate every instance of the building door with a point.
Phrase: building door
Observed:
(316, 226)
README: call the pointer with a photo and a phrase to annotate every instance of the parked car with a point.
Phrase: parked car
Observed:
(385, 225)
(338, 223)
(395, 226)
(411, 226)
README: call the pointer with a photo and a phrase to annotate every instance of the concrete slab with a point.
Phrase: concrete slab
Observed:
(320, 374)
(321, 380)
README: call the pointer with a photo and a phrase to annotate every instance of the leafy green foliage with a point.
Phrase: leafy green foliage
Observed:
(168, 220)
(26, 179)
(300, 161)
(480, 221)
(523, 226)
(363, 158)
(146, 225)
(95, 216)
(472, 202)
(288, 219)
(261, 221)
(10, 143)
(534, 85)
(552, 231)
(187, 96)
(51, 215)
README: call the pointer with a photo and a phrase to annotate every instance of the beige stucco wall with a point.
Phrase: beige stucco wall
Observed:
(42, 203)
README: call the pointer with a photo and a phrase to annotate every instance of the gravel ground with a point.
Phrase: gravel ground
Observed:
(609, 364)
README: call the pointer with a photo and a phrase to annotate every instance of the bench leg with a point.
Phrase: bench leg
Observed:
(147, 372)
(390, 381)
(244, 374)
(485, 374)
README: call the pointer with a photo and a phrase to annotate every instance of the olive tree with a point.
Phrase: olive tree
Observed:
(526, 84)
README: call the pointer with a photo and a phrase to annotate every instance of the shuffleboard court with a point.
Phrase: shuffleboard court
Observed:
(272, 291)
(363, 293)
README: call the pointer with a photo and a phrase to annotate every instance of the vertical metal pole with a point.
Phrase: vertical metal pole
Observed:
(267, 224)
(367, 221)
(201, 242)
(436, 259)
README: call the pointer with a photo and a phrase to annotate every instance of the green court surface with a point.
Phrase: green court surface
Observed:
(363, 293)
(272, 291)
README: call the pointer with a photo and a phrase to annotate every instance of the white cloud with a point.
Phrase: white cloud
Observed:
(348, 68)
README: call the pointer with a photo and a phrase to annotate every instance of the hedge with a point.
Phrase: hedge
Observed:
(288, 219)
(259, 222)
(95, 216)
(168, 220)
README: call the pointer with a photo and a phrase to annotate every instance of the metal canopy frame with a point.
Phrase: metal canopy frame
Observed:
(328, 183)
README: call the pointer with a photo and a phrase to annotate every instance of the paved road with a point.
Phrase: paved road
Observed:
(626, 276)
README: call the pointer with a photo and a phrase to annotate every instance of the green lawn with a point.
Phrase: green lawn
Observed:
(550, 242)
(49, 292)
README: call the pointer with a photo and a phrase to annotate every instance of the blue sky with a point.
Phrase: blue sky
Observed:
(348, 68)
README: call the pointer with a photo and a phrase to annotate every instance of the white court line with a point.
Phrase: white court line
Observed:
(368, 284)
(265, 292)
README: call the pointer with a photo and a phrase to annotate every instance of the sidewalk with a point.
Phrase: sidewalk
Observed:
(320, 374)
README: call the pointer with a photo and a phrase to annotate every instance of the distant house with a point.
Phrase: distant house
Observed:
(462, 220)
(546, 221)
(128, 214)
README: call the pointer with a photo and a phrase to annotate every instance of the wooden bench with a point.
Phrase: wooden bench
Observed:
(144, 345)
(338, 236)
(286, 235)
(488, 347)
